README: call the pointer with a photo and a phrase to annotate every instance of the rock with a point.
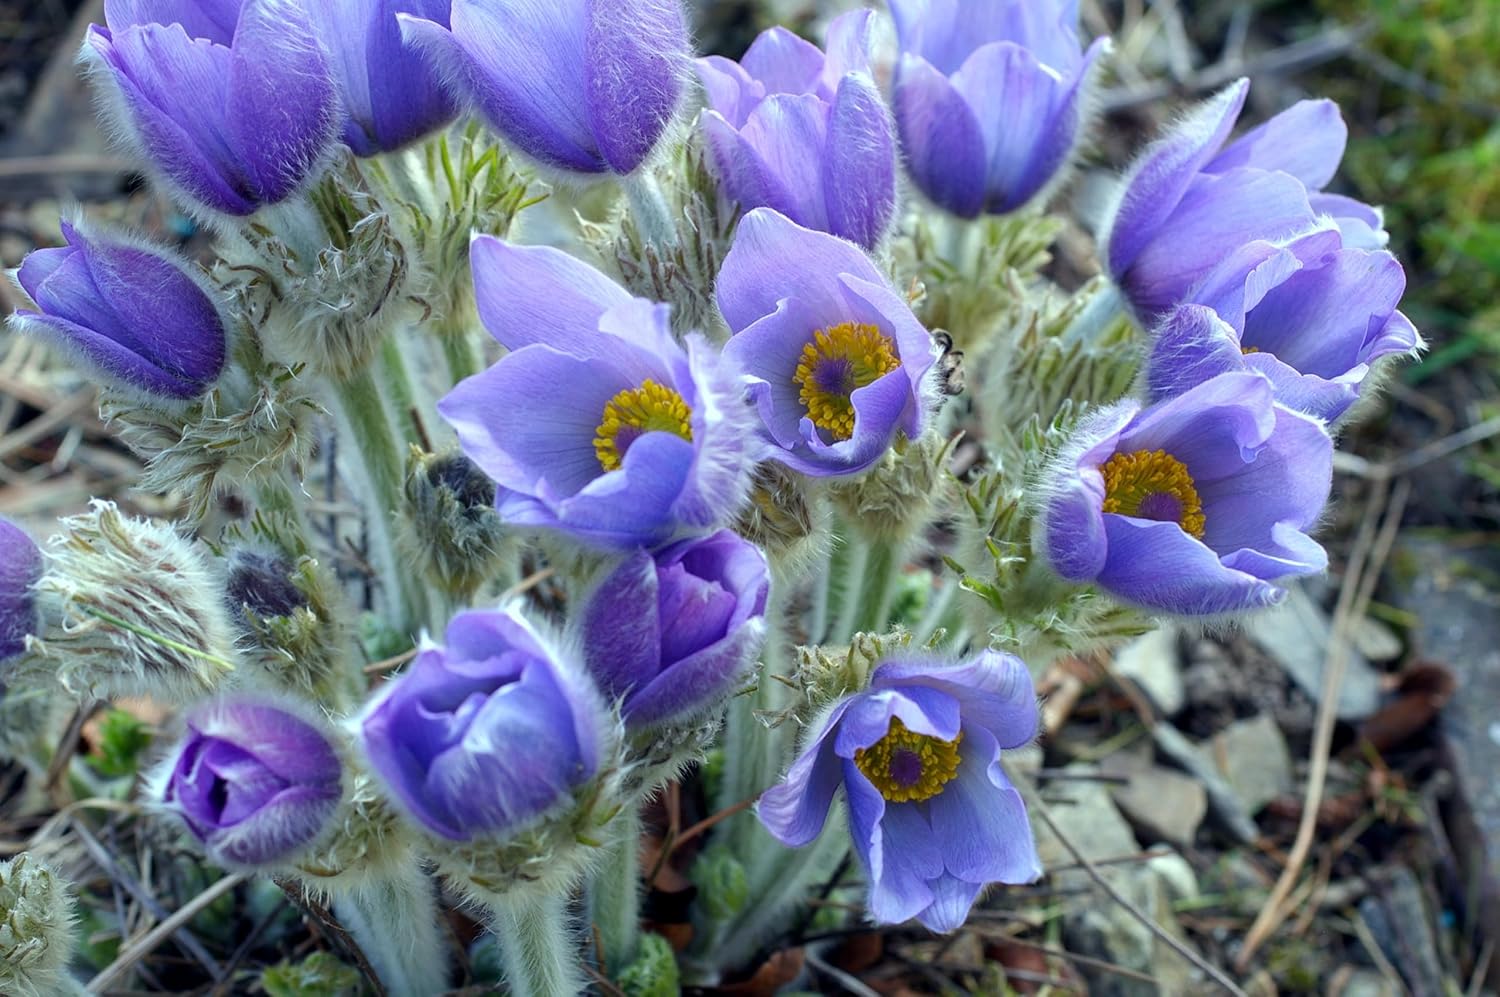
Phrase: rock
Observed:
(1176, 874)
(1375, 640)
(1351, 981)
(1086, 813)
(1453, 597)
(1296, 634)
(1224, 806)
(1398, 918)
(1153, 661)
(1253, 758)
(1162, 804)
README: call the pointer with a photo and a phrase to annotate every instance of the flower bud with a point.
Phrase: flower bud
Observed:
(132, 608)
(895, 498)
(672, 632)
(20, 567)
(137, 313)
(451, 524)
(37, 914)
(253, 782)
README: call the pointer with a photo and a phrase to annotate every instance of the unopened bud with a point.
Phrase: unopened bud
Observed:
(37, 915)
(895, 498)
(451, 526)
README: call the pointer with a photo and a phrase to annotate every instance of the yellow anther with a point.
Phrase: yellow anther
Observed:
(1152, 484)
(907, 767)
(650, 408)
(839, 360)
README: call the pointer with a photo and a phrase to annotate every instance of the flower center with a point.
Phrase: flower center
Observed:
(649, 408)
(840, 359)
(1152, 484)
(908, 767)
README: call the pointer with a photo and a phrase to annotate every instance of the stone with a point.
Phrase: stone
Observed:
(1161, 804)
(1296, 633)
(1354, 981)
(1253, 758)
(1453, 595)
(1224, 807)
(1176, 874)
(1153, 662)
(1375, 640)
(1085, 811)
(1398, 918)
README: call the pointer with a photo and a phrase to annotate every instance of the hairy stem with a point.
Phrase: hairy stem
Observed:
(615, 893)
(539, 952)
(395, 923)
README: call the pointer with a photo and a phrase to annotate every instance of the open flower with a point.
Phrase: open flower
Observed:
(932, 815)
(252, 781)
(598, 425)
(233, 102)
(582, 86)
(804, 133)
(486, 732)
(1192, 506)
(839, 363)
(1314, 323)
(672, 632)
(133, 311)
(1186, 204)
(990, 98)
(391, 93)
(20, 567)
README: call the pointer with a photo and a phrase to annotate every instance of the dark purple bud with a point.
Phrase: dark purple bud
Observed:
(132, 310)
(234, 103)
(252, 781)
(672, 632)
(392, 95)
(486, 732)
(262, 583)
(20, 567)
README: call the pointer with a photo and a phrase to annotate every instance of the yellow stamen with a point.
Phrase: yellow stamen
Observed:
(1247, 350)
(1152, 484)
(840, 359)
(908, 767)
(649, 408)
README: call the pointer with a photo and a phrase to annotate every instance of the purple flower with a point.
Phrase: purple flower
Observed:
(135, 312)
(804, 133)
(990, 98)
(253, 782)
(839, 363)
(232, 101)
(933, 816)
(1312, 319)
(599, 424)
(1186, 205)
(671, 632)
(582, 86)
(1192, 506)
(20, 568)
(391, 93)
(486, 732)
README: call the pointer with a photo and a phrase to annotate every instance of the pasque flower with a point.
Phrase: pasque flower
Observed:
(136, 312)
(1313, 320)
(1192, 506)
(253, 782)
(487, 731)
(990, 98)
(933, 817)
(20, 567)
(839, 364)
(599, 424)
(807, 134)
(391, 92)
(232, 101)
(1189, 201)
(671, 632)
(582, 86)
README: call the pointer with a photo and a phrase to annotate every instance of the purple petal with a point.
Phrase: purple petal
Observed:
(214, 20)
(993, 689)
(923, 709)
(848, 46)
(731, 92)
(635, 56)
(704, 677)
(20, 568)
(621, 628)
(1214, 429)
(1306, 140)
(952, 899)
(1158, 566)
(859, 174)
(283, 743)
(795, 809)
(941, 141)
(897, 850)
(538, 294)
(985, 835)
(1192, 345)
(789, 136)
(783, 62)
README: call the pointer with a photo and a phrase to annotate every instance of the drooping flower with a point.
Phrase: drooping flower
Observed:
(1192, 506)
(1313, 322)
(599, 424)
(839, 364)
(253, 782)
(20, 567)
(991, 98)
(136, 312)
(807, 134)
(1187, 204)
(487, 731)
(232, 101)
(671, 632)
(581, 86)
(933, 817)
(391, 92)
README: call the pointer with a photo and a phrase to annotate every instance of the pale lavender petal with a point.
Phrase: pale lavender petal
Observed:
(941, 141)
(1306, 140)
(634, 58)
(538, 294)
(1158, 566)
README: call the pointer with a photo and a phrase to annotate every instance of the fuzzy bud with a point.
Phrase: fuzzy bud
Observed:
(723, 885)
(783, 516)
(451, 525)
(20, 567)
(28, 721)
(654, 972)
(897, 496)
(826, 674)
(37, 915)
(131, 609)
